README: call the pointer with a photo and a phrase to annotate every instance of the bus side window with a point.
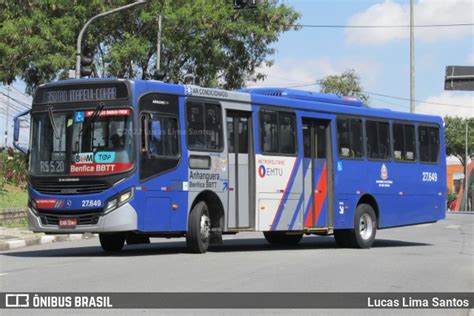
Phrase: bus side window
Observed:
(384, 140)
(277, 132)
(204, 126)
(378, 140)
(429, 143)
(410, 142)
(286, 122)
(424, 144)
(372, 142)
(195, 125)
(434, 144)
(343, 139)
(356, 139)
(404, 142)
(164, 137)
(349, 138)
(269, 131)
(213, 128)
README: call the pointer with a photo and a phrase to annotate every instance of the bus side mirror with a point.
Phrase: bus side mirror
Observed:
(16, 131)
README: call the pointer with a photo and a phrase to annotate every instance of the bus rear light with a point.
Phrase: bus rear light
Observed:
(401, 193)
(175, 206)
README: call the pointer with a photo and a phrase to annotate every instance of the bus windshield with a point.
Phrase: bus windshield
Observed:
(81, 143)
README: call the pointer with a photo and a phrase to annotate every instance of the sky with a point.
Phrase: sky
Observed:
(379, 55)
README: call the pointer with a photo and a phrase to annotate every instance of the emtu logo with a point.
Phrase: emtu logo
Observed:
(262, 171)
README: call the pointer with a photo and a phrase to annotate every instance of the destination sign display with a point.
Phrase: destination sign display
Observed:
(82, 93)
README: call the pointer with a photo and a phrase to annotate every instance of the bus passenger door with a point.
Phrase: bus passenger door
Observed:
(241, 185)
(317, 163)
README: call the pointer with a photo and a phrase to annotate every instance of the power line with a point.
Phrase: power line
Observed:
(384, 95)
(379, 26)
(14, 107)
(417, 101)
(24, 104)
(22, 93)
(393, 97)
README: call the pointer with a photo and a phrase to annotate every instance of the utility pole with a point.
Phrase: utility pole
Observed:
(81, 33)
(466, 178)
(412, 60)
(6, 116)
(158, 46)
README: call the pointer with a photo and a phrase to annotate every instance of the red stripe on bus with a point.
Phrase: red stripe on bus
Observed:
(321, 190)
(283, 195)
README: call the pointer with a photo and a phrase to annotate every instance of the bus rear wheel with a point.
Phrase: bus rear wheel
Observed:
(282, 238)
(112, 242)
(363, 234)
(199, 228)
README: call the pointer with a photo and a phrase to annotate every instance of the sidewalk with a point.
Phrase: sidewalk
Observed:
(12, 238)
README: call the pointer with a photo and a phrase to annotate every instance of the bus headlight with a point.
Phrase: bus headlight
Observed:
(111, 205)
(124, 197)
(118, 200)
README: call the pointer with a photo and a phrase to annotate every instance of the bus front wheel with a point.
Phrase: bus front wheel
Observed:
(112, 242)
(363, 234)
(199, 228)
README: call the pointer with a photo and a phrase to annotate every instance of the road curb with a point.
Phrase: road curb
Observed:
(41, 240)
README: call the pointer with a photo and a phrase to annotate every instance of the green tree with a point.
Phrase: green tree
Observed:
(345, 84)
(209, 38)
(454, 136)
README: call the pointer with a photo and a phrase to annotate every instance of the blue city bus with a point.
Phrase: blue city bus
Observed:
(131, 160)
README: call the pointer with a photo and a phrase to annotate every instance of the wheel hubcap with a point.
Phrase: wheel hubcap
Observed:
(366, 226)
(205, 227)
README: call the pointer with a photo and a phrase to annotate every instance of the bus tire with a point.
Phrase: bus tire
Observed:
(282, 238)
(199, 228)
(365, 227)
(112, 242)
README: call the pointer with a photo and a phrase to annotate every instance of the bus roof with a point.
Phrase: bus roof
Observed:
(305, 95)
(329, 103)
(280, 97)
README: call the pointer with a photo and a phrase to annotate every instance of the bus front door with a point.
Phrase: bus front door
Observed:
(241, 185)
(317, 163)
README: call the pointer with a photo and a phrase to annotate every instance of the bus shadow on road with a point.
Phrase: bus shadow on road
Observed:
(229, 246)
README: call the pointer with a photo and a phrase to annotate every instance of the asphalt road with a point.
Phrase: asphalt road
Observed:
(429, 257)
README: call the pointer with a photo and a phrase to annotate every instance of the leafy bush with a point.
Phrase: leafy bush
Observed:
(13, 168)
(452, 197)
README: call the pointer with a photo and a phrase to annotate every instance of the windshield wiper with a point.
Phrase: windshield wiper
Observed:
(91, 119)
(53, 124)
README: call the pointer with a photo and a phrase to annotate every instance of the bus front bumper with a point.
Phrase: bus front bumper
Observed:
(124, 218)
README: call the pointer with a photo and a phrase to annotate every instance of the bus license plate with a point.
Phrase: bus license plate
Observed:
(67, 222)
